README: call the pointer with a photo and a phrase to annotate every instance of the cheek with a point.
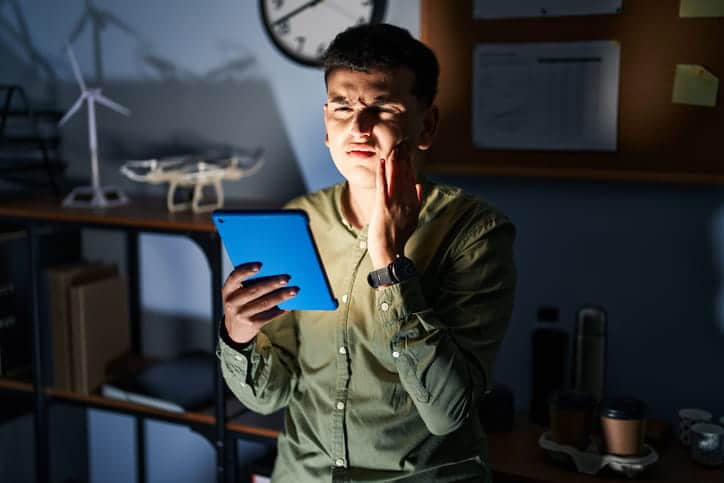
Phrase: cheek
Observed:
(389, 133)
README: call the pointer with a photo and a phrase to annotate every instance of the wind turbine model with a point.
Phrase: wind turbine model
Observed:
(93, 196)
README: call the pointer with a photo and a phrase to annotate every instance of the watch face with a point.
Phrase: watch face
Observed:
(303, 29)
(403, 268)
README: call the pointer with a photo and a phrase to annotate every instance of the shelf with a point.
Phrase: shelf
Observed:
(143, 212)
(254, 425)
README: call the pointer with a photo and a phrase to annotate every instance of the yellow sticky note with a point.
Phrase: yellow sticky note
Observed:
(701, 8)
(695, 85)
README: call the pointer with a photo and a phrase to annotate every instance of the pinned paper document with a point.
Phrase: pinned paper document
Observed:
(701, 8)
(695, 85)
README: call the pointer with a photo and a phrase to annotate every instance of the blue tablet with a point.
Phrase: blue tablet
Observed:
(282, 241)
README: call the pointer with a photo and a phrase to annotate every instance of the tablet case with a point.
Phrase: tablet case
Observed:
(282, 241)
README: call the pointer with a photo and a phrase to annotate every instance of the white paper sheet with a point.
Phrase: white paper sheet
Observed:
(487, 9)
(549, 96)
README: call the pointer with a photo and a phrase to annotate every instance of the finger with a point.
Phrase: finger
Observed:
(253, 289)
(396, 170)
(381, 182)
(418, 189)
(268, 301)
(240, 273)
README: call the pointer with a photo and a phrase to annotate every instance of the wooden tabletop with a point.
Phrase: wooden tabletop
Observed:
(517, 454)
(141, 212)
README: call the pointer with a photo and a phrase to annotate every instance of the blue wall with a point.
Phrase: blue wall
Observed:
(651, 254)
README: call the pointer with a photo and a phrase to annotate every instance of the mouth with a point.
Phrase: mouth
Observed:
(361, 152)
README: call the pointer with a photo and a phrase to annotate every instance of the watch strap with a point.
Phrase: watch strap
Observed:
(402, 268)
(382, 276)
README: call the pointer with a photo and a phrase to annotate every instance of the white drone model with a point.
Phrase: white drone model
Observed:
(94, 196)
(189, 171)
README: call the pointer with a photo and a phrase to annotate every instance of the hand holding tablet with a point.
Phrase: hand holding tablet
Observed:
(282, 242)
(278, 267)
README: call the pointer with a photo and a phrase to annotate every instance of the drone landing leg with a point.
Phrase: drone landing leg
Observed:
(171, 203)
(202, 206)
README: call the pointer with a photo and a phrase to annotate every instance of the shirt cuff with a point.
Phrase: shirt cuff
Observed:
(399, 301)
(245, 347)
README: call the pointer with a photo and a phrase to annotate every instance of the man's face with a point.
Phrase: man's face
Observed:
(367, 114)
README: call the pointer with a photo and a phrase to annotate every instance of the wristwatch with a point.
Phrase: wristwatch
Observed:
(402, 268)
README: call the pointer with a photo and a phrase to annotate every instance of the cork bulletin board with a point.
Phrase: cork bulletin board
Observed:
(657, 140)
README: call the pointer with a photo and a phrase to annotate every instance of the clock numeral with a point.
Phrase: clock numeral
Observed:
(361, 21)
(321, 49)
(278, 4)
(283, 27)
(365, 3)
(300, 43)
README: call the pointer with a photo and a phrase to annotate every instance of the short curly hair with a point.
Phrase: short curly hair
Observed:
(380, 47)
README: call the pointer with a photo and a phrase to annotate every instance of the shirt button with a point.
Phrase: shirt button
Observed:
(344, 298)
(342, 350)
(238, 358)
(385, 306)
(395, 354)
(340, 405)
(363, 245)
(243, 384)
(339, 462)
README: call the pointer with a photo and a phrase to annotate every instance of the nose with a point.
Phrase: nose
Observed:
(363, 122)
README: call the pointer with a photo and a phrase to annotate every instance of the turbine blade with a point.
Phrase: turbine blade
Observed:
(112, 105)
(72, 110)
(76, 69)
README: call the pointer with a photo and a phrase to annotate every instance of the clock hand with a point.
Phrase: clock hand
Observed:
(297, 10)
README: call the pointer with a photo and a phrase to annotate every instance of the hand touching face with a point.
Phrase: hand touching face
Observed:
(396, 207)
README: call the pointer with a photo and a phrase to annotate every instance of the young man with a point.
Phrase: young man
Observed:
(385, 387)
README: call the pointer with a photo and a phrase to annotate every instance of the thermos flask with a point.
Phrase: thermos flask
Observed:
(589, 352)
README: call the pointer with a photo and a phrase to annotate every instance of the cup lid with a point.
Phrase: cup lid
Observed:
(695, 414)
(625, 407)
(707, 428)
(571, 399)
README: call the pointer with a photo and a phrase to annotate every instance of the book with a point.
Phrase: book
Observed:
(100, 329)
(60, 279)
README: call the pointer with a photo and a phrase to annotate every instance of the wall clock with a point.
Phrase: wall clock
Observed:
(303, 29)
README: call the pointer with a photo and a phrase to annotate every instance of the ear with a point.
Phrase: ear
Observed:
(326, 133)
(429, 128)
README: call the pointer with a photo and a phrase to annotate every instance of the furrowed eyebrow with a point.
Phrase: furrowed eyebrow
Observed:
(339, 100)
(377, 102)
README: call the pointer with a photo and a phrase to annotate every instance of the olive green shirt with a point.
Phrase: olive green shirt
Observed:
(385, 387)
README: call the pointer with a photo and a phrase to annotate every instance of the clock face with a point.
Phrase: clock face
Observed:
(303, 29)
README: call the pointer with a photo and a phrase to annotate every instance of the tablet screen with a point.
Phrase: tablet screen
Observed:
(282, 241)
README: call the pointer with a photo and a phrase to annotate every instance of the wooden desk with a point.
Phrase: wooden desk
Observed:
(143, 214)
(516, 456)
